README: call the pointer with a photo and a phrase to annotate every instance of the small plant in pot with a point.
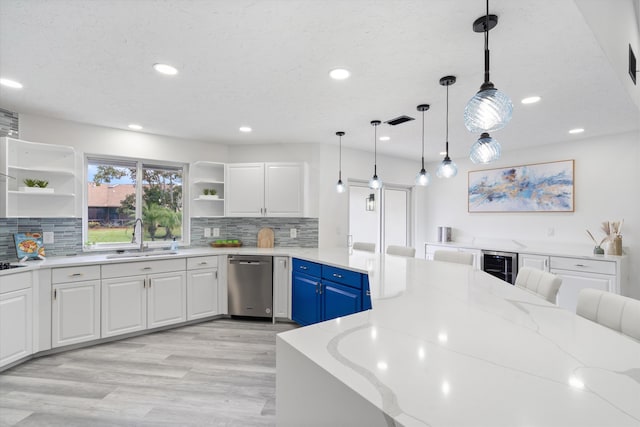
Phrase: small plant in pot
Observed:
(37, 183)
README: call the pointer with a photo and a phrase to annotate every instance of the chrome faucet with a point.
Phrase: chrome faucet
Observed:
(133, 235)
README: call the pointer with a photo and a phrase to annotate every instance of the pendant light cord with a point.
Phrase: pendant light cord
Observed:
(447, 133)
(422, 139)
(486, 45)
(375, 149)
(340, 161)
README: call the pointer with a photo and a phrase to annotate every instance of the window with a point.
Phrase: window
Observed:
(121, 190)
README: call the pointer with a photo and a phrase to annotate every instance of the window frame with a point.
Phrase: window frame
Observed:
(140, 164)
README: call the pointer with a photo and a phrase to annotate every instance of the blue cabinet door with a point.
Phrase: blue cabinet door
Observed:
(340, 300)
(305, 299)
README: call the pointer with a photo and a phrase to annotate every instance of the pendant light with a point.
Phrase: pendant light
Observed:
(490, 109)
(339, 184)
(447, 168)
(485, 150)
(423, 178)
(375, 183)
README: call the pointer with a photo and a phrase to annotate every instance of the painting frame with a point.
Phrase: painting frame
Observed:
(534, 187)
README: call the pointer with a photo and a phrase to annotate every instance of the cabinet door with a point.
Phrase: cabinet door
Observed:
(166, 299)
(281, 288)
(75, 313)
(541, 262)
(339, 300)
(202, 293)
(124, 305)
(284, 189)
(574, 281)
(245, 189)
(15, 325)
(305, 301)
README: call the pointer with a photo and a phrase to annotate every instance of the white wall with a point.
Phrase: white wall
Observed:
(606, 188)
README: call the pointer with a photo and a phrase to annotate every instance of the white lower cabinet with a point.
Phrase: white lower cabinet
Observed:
(16, 317)
(133, 302)
(75, 305)
(540, 262)
(202, 287)
(578, 274)
(281, 287)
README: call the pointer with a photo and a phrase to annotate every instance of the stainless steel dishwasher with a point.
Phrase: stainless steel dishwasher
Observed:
(250, 285)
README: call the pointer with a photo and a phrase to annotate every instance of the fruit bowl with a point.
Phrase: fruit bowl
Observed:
(229, 243)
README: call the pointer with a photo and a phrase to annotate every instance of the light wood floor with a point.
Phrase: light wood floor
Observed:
(218, 373)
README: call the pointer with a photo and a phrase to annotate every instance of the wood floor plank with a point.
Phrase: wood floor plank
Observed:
(217, 373)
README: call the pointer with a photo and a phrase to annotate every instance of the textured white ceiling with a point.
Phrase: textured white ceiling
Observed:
(265, 63)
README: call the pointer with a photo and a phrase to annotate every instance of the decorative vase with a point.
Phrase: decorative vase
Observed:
(598, 250)
(614, 246)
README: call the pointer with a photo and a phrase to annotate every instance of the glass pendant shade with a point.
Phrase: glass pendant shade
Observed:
(485, 150)
(340, 186)
(423, 178)
(375, 183)
(488, 111)
(447, 169)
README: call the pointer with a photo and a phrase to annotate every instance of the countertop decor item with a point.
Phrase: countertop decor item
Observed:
(598, 248)
(265, 237)
(229, 243)
(613, 230)
(540, 187)
(29, 246)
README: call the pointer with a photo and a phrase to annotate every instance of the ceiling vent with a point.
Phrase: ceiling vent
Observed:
(399, 120)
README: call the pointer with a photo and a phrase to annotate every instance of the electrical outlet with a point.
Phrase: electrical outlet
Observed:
(216, 232)
(293, 233)
(47, 237)
(207, 232)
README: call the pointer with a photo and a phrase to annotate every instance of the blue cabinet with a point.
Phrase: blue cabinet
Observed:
(322, 292)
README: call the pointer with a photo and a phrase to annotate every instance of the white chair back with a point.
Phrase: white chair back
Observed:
(364, 246)
(539, 282)
(401, 250)
(454, 256)
(614, 311)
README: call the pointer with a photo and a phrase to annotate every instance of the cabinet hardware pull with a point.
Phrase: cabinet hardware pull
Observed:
(149, 284)
(303, 267)
(580, 265)
(203, 263)
(75, 275)
(339, 276)
(55, 293)
(320, 286)
(147, 268)
(368, 293)
(216, 274)
(144, 283)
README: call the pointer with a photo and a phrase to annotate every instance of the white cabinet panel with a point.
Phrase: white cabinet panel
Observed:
(202, 293)
(16, 331)
(281, 287)
(75, 314)
(166, 299)
(124, 305)
(245, 189)
(540, 262)
(284, 189)
(574, 281)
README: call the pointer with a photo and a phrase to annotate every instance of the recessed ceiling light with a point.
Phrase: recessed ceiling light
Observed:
(245, 129)
(165, 69)
(531, 100)
(576, 130)
(11, 83)
(385, 138)
(135, 126)
(339, 73)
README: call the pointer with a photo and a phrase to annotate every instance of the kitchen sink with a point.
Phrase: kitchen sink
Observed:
(141, 254)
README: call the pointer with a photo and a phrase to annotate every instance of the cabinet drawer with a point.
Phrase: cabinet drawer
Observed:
(339, 275)
(15, 281)
(306, 267)
(199, 262)
(142, 267)
(75, 274)
(585, 265)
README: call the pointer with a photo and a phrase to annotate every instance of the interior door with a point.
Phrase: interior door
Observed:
(364, 225)
(396, 216)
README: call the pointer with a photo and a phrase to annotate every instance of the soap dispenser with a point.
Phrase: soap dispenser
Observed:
(174, 245)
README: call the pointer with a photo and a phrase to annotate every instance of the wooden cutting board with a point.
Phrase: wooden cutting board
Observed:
(265, 237)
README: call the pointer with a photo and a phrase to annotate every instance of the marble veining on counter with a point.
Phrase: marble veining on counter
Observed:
(455, 346)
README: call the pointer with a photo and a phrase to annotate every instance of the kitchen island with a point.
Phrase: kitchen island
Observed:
(447, 344)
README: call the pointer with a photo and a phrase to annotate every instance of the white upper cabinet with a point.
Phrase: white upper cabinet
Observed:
(207, 178)
(265, 189)
(31, 161)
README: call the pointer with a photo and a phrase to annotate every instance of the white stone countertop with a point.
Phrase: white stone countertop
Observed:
(447, 345)
(574, 250)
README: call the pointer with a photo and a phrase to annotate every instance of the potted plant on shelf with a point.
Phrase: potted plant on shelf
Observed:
(36, 186)
(209, 193)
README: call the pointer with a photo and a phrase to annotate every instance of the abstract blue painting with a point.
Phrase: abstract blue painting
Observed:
(541, 187)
